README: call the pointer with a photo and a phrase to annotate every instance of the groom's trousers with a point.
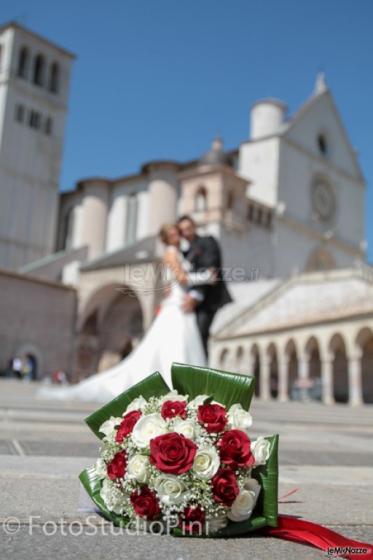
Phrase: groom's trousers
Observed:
(204, 320)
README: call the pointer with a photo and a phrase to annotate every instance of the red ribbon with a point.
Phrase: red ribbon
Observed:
(305, 532)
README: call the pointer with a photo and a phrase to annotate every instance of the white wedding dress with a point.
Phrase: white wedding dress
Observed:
(173, 337)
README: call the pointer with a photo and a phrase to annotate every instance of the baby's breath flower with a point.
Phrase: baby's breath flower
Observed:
(174, 492)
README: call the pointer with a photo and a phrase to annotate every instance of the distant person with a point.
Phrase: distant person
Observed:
(27, 369)
(17, 366)
(59, 377)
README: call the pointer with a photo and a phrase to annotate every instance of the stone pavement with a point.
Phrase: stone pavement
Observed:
(325, 453)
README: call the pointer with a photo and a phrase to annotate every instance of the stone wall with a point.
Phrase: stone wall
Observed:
(38, 318)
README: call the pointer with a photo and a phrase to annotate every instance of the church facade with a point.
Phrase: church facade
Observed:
(287, 206)
(288, 201)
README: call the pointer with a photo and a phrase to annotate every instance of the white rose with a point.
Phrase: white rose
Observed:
(136, 404)
(170, 489)
(148, 427)
(260, 448)
(196, 402)
(138, 468)
(239, 418)
(206, 463)
(244, 504)
(214, 524)
(112, 496)
(108, 427)
(100, 468)
(185, 427)
(173, 396)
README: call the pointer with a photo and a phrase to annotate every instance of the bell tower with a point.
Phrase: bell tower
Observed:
(213, 194)
(34, 87)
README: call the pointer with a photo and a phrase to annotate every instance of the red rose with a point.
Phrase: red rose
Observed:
(212, 416)
(224, 487)
(127, 425)
(172, 453)
(117, 466)
(170, 409)
(145, 503)
(192, 520)
(235, 449)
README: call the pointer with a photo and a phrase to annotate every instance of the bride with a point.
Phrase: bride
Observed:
(173, 336)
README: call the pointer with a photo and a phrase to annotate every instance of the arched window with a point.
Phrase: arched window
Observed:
(54, 78)
(34, 119)
(39, 70)
(200, 201)
(322, 144)
(23, 62)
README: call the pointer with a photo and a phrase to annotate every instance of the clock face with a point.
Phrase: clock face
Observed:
(323, 201)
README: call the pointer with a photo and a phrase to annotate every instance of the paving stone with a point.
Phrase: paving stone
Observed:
(7, 448)
(60, 448)
(122, 547)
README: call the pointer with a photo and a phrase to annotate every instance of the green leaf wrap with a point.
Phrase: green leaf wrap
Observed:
(226, 388)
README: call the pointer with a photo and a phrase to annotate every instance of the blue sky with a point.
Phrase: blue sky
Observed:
(159, 78)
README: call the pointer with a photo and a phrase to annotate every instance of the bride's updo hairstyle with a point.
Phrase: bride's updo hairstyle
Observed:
(164, 233)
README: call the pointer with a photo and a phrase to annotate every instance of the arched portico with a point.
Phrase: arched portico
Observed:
(330, 360)
(109, 327)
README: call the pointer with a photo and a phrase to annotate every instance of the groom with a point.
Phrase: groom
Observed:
(202, 253)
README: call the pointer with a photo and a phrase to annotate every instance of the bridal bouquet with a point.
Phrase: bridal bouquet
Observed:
(184, 461)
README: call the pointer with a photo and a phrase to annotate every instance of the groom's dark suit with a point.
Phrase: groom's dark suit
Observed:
(203, 253)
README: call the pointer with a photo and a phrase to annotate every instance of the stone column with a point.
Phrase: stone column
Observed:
(355, 392)
(243, 362)
(214, 353)
(283, 371)
(265, 365)
(327, 380)
(252, 358)
(231, 359)
(303, 374)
